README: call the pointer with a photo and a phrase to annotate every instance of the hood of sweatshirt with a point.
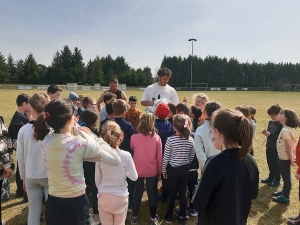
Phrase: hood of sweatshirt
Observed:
(165, 130)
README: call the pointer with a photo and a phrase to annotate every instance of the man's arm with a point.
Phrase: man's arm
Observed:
(147, 103)
(100, 100)
(123, 96)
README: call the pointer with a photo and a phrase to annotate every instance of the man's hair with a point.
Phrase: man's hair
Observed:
(164, 71)
(172, 107)
(109, 108)
(81, 97)
(53, 88)
(86, 101)
(108, 96)
(274, 109)
(113, 80)
(22, 98)
(89, 117)
(119, 106)
(132, 99)
(182, 107)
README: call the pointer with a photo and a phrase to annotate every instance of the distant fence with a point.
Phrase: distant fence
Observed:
(223, 89)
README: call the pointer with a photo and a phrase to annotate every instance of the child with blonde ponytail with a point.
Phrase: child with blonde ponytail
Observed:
(179, 153)
(111, 180)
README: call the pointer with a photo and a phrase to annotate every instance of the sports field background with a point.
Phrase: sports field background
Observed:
(263, 211)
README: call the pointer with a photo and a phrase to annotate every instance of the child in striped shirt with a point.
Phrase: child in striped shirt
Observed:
(179, 153)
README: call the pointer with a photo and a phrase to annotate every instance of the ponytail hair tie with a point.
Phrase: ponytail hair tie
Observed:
(83, 124)
(186, 123)
(47, 114)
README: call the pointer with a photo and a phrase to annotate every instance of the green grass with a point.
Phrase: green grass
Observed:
(263, 211)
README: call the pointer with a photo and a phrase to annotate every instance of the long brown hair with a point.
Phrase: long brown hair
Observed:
(146, 124)
(183, 124)
(292, 120)
(38, 101)
(111, 133)
(56, 114)
(235, 128)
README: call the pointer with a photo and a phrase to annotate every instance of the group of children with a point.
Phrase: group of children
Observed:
(132, 147)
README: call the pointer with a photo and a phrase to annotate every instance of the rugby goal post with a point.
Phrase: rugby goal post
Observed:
(196, 86)
(291, 87)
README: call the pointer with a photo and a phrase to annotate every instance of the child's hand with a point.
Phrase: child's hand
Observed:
(165, 175)
(184, 99)
(297, 176)
(263, 131)
(85, 129)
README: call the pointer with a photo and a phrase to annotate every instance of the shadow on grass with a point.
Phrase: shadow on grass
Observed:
(273, 215)
(19, 219)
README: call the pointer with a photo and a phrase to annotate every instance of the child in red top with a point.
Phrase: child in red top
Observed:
(148, 161)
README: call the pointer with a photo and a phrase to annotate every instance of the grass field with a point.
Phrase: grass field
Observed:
(263, 211)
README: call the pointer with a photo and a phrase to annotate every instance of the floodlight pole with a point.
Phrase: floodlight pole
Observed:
(192, 40)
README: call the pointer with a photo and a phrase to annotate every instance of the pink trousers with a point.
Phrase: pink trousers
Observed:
(112, 209)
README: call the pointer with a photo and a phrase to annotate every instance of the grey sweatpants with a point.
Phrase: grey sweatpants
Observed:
(36, 189)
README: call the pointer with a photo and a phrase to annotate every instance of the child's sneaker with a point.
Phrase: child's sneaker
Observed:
(274, 183)
(266, 180)
(168, 219)
(278, 193)
(177, 212)
(281, 199)
(133, 220)
(291, 222)
(155, 221)
(192, 212)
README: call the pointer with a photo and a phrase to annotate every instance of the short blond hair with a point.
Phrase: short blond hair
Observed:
(202, 96)
(146, 124)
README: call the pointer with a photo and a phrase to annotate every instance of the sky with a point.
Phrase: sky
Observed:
(143, 31)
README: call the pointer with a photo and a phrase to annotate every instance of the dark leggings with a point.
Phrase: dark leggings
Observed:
(19, 182)
(273, 164)
(131, 185)
(151, 187)
(165, 188)
(285, 170)
(177, 181)
(193, 176)
(91, 189)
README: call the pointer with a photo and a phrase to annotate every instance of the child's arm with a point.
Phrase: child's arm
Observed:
(159, 155)
(199, 148)
(98, 150)
(166, 158)
(289, 150)
(192, 152)
(131, 170)
(20, 155)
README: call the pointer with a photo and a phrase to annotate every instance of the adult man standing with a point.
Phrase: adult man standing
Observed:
(160, 89)
(113, 88)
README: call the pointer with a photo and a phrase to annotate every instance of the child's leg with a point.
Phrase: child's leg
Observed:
(285, 170)
(173, 184)
(35, 192)
(105, 202)
(120, 212)
(273, 163)
(193, 175)
(131, 185)
(151, 185)
(165, 188)
(183, 173)
(95, 199)
(138, 194)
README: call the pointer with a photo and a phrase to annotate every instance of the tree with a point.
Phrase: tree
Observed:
(78, 69)
(31, 70)
(11, 75)
(3, 67)
(19, 70)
